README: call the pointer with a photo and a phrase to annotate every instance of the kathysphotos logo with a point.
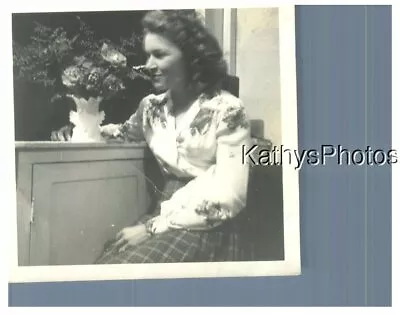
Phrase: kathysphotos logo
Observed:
(278, 155)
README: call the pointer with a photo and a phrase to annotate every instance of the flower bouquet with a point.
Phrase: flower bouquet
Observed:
(90, 82)
(78, 67)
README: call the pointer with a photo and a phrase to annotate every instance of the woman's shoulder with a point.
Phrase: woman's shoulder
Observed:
(152, 101)
(229, 109)
(222, 102)
(152, 97)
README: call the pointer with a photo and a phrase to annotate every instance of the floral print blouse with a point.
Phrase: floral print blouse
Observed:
(205, 144)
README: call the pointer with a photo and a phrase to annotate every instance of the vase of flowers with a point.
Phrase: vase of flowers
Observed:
(89, 82)
(80, 68)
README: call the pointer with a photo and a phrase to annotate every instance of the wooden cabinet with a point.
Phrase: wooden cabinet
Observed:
(72, 198)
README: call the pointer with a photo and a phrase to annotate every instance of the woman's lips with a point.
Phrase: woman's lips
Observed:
(156, 77)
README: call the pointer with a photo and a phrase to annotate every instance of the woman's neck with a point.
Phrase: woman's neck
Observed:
(181, 100)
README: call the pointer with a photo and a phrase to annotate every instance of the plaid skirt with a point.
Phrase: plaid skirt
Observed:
(226, 242)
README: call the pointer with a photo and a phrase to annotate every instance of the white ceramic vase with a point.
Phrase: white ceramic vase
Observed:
(87, 119)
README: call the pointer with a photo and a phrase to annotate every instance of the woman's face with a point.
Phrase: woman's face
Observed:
(165, 62)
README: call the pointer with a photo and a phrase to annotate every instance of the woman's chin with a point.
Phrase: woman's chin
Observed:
(159, 87)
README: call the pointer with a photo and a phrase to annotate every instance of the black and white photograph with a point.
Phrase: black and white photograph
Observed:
(144, 140)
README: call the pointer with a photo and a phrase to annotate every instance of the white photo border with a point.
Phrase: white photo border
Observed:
(291, 265)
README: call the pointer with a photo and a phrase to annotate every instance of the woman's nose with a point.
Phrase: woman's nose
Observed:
(150, 64)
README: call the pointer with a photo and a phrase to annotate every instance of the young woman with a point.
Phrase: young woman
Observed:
(197, 132)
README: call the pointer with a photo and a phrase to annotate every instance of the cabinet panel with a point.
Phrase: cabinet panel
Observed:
(79, 206)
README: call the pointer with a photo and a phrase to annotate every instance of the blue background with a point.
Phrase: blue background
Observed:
(344, 97)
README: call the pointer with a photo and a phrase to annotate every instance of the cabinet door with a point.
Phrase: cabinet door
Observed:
(79, 206)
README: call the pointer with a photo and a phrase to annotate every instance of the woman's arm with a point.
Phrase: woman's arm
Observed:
(132, 129)
(219, 193)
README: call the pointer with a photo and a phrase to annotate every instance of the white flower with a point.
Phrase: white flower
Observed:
(113, 56)
(71, 76)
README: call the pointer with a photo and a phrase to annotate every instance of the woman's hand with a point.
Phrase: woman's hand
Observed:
(159, 225)
(63, 134)
(131, 236)
(111, 131)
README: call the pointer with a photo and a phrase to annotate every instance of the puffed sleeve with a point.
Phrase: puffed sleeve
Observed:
(219, 193)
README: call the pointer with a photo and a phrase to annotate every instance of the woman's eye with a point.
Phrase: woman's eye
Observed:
(159, 54)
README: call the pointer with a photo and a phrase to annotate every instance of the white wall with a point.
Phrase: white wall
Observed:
(257, 66)
(252, 48)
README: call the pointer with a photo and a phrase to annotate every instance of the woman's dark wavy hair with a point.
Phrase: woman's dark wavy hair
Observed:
(203, 56)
